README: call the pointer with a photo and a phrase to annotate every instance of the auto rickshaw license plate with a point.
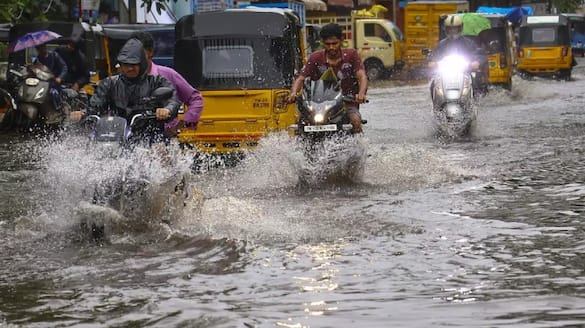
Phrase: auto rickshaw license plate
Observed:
(319, 128)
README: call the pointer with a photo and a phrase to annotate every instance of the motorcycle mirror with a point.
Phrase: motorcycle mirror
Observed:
(162, 93)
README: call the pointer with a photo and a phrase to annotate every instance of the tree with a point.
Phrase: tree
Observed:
(160, 5)
(20, 11)
(565, 6)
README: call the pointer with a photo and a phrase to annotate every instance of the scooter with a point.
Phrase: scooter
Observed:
(452, 95)
(131, 195)
(34, 107)
(33, 101)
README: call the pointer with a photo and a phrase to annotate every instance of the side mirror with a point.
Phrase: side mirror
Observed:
(162, 93)
(494, 45)
(426, 51)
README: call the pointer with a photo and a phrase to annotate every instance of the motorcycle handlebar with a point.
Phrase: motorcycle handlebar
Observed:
(142, 117)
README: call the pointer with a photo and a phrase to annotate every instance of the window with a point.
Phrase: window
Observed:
(376, 30)
(543, 35)
(228, 62)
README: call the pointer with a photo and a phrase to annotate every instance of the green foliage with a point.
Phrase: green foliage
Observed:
(20, 11)
(566, 6)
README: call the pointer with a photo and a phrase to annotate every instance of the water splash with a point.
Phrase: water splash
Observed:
(73, 172)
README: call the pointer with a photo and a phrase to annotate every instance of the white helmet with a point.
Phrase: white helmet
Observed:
(453, 26)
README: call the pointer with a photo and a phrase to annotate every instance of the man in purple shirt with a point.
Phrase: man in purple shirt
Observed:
(185, 92)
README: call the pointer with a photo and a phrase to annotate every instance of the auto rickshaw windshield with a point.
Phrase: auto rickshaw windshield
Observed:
(542, 35)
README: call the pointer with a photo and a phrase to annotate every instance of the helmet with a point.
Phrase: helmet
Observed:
(453, 26)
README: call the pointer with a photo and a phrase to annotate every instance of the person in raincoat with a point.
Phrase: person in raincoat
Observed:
(457, 43)
(121, 94)
(185, 92)
(77, 74)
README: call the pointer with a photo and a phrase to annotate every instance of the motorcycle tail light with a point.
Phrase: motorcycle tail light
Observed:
(565, 52)
(280, 101)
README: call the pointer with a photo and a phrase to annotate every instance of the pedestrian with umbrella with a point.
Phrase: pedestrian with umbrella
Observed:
(50, 59)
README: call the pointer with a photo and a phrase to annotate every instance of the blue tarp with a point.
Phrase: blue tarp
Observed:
(578, 40)
(513, 14)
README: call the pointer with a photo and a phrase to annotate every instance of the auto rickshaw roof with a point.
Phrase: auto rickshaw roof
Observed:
(68, 30)
(544, 20)
(123, 31)
(497, 20)
(250, 21)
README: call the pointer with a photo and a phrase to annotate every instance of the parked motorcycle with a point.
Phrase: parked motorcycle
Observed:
(452, 94)
(130, 193)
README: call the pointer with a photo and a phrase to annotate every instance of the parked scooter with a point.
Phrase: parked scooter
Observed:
(131, 195)
(34, 107)
(452, 94)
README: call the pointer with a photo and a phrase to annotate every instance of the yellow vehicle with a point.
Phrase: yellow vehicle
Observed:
(499, 44)
(244, 71)
(544, 47)
(378, 41)
(422, 20)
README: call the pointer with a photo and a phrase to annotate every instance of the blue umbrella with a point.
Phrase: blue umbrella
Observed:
(32, 39)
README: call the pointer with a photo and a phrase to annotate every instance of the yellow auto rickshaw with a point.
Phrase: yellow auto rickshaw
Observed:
(498, 42)
(544, 47)
(244, 71)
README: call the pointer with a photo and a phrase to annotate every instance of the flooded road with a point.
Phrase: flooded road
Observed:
(485, 232)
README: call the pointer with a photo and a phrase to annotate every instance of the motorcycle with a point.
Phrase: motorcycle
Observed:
(34, 107)
(323, 112)
(128, 198)
(452, 94)
(325, 131)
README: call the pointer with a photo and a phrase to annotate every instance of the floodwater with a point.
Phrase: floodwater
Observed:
(483, 232)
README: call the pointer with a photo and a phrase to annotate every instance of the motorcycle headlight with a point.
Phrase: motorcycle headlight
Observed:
(452, 64)
(31, 81)
(319, 118)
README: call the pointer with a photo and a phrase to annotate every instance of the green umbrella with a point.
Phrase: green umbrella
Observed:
(474, 23)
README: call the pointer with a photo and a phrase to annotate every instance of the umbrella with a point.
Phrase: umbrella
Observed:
(474, 23)
(32, 39)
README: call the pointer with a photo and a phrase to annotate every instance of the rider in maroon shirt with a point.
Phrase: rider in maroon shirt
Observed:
(347, 66)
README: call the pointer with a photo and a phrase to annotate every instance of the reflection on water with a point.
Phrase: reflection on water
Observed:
(485, 232)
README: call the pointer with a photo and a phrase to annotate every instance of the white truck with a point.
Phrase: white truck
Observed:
(379, 42)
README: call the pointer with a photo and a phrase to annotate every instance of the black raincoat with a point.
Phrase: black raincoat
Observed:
(77, 67)
(463, 46)
(122, 96)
